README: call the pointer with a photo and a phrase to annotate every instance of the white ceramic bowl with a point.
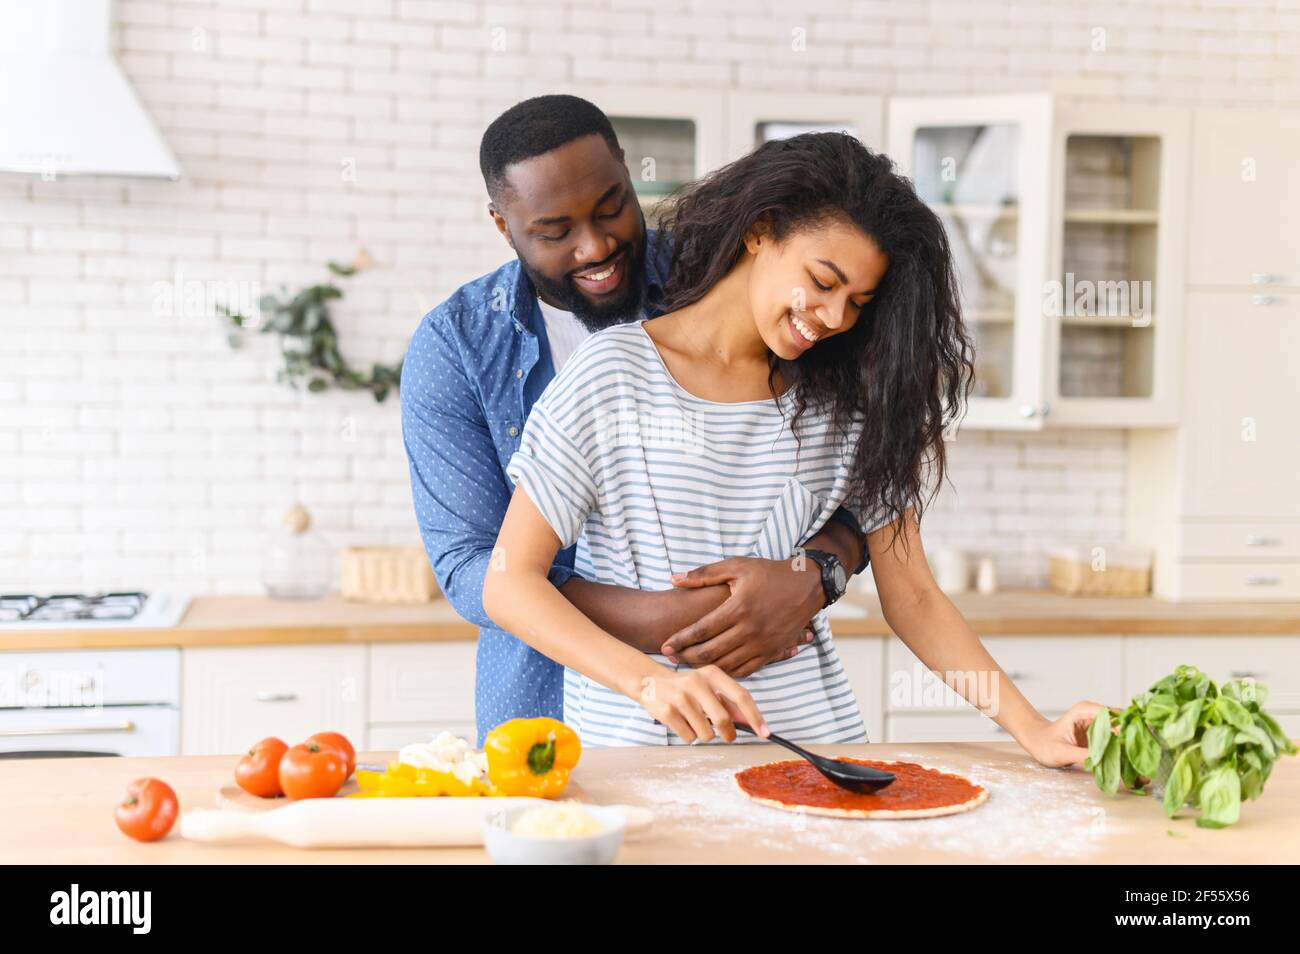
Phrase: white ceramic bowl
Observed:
(507, 848)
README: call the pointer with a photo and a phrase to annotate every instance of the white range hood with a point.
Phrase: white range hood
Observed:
(66, 107)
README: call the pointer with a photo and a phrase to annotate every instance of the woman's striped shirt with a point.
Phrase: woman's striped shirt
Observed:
(651, 480)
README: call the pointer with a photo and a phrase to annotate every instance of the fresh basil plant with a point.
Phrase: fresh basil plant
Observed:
(1195, 743)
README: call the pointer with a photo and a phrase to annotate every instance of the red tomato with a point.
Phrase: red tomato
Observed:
(148, 810)
(340, 742)
(312, 770)
(258, 772)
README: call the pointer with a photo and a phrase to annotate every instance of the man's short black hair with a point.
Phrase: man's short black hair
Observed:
(537, 126)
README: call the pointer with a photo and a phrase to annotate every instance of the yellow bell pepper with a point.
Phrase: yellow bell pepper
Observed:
(531, 756)
(406, 781)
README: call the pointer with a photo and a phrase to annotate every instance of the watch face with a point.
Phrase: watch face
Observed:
(841, 581)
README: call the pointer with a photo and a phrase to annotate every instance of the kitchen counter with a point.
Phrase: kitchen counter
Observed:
(61, 811)
(253, 620)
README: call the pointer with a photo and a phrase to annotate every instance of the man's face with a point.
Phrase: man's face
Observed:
(574, 221)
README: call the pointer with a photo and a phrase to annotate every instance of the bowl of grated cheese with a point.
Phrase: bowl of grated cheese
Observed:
(554, 833)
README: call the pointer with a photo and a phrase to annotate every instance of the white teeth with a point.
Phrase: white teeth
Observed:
(599, 276)
(803, 328)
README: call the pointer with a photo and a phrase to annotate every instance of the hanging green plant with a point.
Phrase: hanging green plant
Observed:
(309, 342)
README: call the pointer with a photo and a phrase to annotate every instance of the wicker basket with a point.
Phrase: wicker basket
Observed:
(1072, 570)
(387, 575)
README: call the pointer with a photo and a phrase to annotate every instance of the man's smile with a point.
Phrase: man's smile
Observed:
(604, 277)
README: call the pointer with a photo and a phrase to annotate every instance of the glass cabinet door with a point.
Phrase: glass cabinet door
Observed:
(1107, 301)
(980, 164)
(660, 156)
(968, 175)
(1113, 298)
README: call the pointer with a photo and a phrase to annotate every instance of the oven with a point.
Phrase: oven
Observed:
(76, 703)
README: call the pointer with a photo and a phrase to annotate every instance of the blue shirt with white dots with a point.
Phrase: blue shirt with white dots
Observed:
(474, 368)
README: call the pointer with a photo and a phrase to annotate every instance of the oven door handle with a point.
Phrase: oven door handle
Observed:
(125, 726)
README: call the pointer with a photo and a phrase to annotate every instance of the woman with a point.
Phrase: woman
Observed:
(811, 356)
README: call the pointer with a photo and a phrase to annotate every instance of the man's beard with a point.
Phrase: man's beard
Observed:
(626, 306)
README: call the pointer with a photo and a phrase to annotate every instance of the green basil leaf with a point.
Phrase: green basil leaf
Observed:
(1161, 707)
(1182, 780)
(1180, 729)
(1259, 737)
(1281, 741)
(1127, 773)
(1217, 743)
(1233, 712)
(1099, 735)
(1109, 778)
(1252, 783)
(1220, 796)
(1143, 749)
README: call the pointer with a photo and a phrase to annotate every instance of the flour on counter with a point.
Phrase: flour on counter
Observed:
(1028, 813)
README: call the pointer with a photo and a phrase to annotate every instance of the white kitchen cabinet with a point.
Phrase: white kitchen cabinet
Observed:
(1053, 672)
(863, 658)
(1245, 198)
(1243, 442)
(754, 118)
(1216, 498)
(1114, 334)
(420, 689)
(1066, 224)
(982, 164)
(1273, 661)
(968, 726)
(231, 697)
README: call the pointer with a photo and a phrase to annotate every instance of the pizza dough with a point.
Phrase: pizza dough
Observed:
(916, 792)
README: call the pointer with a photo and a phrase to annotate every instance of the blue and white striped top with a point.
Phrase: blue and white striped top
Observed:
(651, 480)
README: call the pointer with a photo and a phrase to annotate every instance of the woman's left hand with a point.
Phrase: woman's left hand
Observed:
(1064, 741)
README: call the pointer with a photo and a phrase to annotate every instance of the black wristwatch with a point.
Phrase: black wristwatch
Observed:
(834, 580)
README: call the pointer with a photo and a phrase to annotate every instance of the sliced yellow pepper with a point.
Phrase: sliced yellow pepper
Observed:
(400, 780)
(531, 757)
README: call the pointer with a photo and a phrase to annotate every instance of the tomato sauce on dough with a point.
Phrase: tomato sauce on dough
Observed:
(915, 787)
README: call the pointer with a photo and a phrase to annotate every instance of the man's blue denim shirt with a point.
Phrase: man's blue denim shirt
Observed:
(474, 368)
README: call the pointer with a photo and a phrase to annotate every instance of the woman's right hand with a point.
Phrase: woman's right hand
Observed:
(698, 704)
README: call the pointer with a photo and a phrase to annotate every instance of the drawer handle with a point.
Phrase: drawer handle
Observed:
(126, 726)
(1267, 300)
(1263, 580)
(1258, 540)
(276, 697)
(1245, 674)
(1265, 278)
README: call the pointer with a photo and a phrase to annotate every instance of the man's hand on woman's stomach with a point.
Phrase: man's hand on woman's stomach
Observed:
(765, 619)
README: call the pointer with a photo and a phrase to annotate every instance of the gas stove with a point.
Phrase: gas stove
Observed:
(121, 610)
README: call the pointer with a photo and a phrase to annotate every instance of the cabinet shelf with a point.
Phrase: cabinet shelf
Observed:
(1112, 216)
(1108, 321)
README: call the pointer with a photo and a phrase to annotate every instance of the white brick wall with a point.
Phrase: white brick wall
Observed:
(136, 449)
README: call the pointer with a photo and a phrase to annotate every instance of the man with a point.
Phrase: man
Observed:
(561, 196)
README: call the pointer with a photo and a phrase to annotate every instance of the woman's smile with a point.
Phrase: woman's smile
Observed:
(803, 333)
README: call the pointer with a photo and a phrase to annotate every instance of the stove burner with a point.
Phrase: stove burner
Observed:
(22, 607)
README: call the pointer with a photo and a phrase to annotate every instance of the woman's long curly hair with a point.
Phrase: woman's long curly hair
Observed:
(903, 370)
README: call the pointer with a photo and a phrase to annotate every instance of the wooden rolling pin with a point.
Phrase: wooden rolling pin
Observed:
(369, 822)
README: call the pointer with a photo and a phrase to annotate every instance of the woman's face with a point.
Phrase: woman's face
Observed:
(811, 286)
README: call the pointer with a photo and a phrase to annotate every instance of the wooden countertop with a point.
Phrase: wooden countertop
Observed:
(253, 620)
(61, 811)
